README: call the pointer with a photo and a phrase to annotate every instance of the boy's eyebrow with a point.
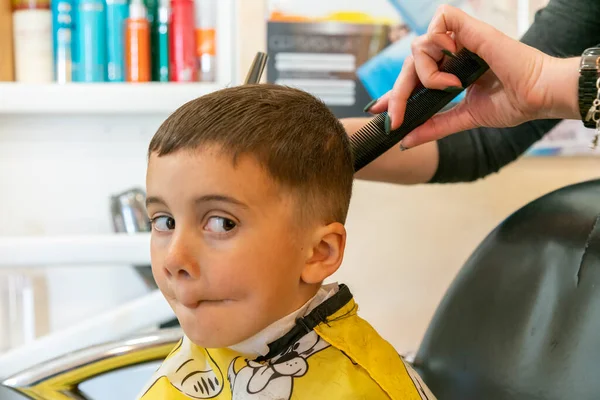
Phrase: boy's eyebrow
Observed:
(221, 198)
(203, 199)
(154, 200)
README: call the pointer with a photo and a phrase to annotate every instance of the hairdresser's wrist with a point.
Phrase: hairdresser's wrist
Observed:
(561, 80)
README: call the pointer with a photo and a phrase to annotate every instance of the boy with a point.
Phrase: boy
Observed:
(248, 190)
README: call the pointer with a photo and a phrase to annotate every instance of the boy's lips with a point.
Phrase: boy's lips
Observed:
(194, 304)
(191, 297)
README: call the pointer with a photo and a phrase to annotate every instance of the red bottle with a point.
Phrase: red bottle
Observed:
(182, 36)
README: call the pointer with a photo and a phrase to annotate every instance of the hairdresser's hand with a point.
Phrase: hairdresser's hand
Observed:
(522, 84)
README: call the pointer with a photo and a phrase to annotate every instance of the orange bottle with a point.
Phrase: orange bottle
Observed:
(137, 44)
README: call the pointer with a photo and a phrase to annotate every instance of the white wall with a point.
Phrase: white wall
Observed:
(57, 174)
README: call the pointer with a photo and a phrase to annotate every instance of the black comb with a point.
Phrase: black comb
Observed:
(371, 141)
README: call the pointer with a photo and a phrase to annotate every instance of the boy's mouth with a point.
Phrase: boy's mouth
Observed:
(190, 299)
(196, 304)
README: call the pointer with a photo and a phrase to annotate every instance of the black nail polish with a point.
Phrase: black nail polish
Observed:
(388, 124)
(369, 105)
(449, 53)
(402, 148)
(454, 89)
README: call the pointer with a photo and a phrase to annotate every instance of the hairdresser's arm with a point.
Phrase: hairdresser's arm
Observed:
(479, 151)
(564, 28)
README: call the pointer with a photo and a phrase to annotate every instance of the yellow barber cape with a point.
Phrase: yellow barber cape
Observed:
(330, 354)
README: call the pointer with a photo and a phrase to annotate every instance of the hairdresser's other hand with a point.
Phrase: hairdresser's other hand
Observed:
(522, 83)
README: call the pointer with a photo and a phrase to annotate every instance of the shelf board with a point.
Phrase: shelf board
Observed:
(47, 251)
(99, 98)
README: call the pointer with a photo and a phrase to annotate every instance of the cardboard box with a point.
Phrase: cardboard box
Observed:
(322, 58)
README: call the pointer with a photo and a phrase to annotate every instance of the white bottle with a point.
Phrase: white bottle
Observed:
(32, 35)
(206, 39)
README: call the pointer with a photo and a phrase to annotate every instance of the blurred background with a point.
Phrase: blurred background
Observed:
(84, 86)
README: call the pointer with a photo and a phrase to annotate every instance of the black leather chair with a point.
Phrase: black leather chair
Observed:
(521, 321)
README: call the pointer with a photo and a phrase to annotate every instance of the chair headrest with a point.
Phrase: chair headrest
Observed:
(522, 318)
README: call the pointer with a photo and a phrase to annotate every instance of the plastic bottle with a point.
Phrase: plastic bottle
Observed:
(91, 41)
(32, 33)
(117, 12)
(137, 43)
(206, 33)
(160, 63)
(62, 37)
(152, 16)
(184, 62)
(7, 72)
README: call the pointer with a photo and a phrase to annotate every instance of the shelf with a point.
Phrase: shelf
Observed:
(24, 99)
(47, 251)
(99, 98)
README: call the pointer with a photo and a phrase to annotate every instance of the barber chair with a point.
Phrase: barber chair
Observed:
(521, 321)
(114, 370)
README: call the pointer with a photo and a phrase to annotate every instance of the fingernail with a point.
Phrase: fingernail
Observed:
(369, 105)
(449, 53)
(388, 124)
(454, 89)
(402, 148)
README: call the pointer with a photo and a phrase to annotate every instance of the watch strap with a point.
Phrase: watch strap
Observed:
(588, 92)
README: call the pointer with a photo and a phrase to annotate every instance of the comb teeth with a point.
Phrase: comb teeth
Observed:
(371, 140)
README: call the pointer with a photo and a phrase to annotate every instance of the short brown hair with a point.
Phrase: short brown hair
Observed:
(292, 134)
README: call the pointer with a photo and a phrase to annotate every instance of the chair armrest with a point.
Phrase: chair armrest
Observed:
(59, 378)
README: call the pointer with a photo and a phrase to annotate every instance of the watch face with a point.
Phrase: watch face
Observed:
(590, 59)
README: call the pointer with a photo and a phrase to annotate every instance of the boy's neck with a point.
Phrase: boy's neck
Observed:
(258, 344)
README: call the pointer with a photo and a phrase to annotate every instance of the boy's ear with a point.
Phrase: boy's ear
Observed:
(326, 255)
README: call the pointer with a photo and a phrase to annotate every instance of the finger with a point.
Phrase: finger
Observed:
(469, 32)
(405, 84)
(427, 54)
(381, 104)
(443, 41)
(455, 120)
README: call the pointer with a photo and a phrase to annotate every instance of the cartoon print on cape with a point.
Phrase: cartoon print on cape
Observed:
(198, 376)
(274, 379)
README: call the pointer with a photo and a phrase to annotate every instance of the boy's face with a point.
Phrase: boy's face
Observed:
(227, 251)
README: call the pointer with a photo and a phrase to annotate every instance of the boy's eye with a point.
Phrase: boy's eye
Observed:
(163, 223)
(219, 225)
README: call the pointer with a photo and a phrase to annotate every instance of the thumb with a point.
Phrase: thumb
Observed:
(441, 125)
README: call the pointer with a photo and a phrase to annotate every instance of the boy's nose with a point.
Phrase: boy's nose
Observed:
(180, 262)
(180, 272)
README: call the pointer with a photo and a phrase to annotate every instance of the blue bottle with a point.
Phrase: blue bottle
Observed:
(117, 11)
(62, 35)
(91, 40)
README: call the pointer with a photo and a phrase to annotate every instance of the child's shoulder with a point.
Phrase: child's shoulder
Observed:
(360, 342)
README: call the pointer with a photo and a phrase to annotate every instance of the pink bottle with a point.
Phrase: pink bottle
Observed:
(182, 37)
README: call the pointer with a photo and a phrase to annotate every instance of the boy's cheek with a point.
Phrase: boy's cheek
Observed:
(160, 277)
(162, 284)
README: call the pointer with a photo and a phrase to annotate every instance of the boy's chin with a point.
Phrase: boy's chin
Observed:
(211, 338)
